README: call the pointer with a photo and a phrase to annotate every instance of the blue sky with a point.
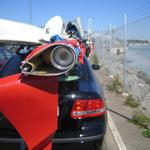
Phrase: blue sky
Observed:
(103, 12)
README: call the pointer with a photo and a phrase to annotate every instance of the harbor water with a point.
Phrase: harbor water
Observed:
(138, 56)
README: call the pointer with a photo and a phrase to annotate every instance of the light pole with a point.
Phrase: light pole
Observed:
(30, 11)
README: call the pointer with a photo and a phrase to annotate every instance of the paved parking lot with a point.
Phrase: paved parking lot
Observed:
(130, 134)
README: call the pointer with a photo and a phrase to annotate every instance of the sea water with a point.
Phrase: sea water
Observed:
(138, 56)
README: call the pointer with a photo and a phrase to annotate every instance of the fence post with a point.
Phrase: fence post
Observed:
(125, 51)
(104, 49)
(110, 50)
(102, 46)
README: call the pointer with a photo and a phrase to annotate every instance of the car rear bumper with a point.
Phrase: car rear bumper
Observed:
(78, 140)
(11, 140)
(61, 140)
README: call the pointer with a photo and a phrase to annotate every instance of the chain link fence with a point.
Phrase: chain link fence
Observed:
(126, 54)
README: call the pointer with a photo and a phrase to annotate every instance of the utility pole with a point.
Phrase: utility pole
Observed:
(30, 11)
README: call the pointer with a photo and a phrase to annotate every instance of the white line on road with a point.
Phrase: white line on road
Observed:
(115, 132)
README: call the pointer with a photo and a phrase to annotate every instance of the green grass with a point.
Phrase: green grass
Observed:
(115, 85)
(130, 101)
(94, 59)
(146, 133)
(143, 121)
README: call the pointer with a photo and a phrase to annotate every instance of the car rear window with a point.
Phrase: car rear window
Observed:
(2, 56)
(8, 54)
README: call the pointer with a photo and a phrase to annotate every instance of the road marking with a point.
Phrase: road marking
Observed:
(115, 132)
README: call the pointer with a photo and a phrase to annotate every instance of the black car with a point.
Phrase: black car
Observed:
(81, 113)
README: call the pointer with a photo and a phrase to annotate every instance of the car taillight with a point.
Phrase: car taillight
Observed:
(88, 108)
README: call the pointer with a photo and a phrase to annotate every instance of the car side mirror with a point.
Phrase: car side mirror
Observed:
(95, 67)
